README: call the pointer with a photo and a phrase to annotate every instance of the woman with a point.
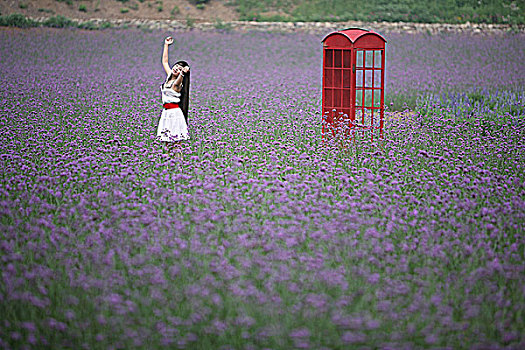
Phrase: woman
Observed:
(173, 123)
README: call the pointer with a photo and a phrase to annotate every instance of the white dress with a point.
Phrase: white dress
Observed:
(172, 125)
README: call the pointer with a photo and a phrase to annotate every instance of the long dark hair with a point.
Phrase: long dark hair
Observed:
(185, 92)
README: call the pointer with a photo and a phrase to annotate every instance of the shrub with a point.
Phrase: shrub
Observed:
(90, 25)
(82, 8)
(220, 25)
(17, 20)
(175, 11)
(124, 10)
(190, 22)
(105, 25)
(58, 21)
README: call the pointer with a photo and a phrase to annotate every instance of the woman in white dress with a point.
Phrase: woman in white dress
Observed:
(173, 123)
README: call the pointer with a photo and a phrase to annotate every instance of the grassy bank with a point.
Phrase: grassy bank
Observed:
(433, 11)
(59, 21)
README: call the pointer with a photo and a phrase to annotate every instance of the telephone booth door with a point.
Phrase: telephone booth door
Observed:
(353, 82)
(338, 99)
(369, 90)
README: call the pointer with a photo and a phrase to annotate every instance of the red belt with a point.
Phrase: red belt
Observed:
(170, 105)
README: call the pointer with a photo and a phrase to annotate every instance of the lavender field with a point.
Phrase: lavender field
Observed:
(262, 236)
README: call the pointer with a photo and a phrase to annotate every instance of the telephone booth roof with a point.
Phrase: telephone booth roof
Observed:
(353, 34)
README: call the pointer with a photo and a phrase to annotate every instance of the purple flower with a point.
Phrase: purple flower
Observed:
(300, 333)
(260, 224)
(353, 337)
(374, 278)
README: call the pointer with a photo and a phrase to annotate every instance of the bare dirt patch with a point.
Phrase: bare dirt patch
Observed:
(214, 10)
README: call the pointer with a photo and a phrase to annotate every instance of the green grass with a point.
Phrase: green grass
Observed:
(423, 11)
(58, 21)
(432, 11)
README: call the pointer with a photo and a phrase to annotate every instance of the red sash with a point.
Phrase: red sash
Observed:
(170, 105)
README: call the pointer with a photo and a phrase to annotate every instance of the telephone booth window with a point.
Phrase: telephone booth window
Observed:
(353, 81)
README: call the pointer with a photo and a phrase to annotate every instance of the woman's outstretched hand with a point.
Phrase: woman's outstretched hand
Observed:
(168, 40)
(185, 69)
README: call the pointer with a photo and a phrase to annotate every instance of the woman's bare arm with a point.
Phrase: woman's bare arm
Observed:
(167, 42)
(178, 81)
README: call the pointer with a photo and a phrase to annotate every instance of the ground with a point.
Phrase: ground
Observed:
(214, 10)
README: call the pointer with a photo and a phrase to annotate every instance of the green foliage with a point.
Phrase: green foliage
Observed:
(427, 11)
(82, 8)
(46, 10)
(21, 21)
(23, 5)
(401, 102)
(17, 20)
(174, 11)
(190, 22)
(68, 2)
(105, 25)
(200, 6)
(124, 10)
(220, 25)
(58, 21)
(90, 25)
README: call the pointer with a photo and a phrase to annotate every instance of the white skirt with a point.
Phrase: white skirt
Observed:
(172, 126)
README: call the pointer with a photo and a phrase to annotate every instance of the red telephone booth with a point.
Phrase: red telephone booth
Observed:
(353, 81)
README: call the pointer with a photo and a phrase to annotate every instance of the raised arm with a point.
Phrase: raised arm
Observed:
(167, 42)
